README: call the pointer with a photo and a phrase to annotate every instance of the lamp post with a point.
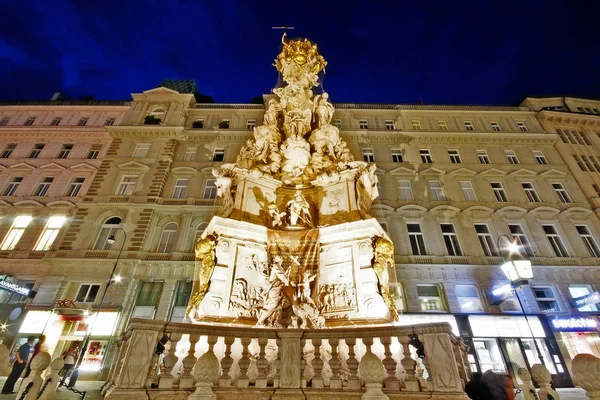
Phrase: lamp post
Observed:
(517, 268)
(111, 240)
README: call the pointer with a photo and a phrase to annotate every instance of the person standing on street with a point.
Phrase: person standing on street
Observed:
(22, 355)
(36, 349)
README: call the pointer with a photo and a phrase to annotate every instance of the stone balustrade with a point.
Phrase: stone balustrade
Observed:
(202, 361)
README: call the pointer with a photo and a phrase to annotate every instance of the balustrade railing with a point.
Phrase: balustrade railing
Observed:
(382, 360)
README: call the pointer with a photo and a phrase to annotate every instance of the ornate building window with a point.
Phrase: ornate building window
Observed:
(555, 241)
(210, 189)
(469, 126)
(482, 155)
(363, 124)
(15, 232)
(43, 187)
(520, 238)
(425, 156)
(496, 126)
(127, 185)
(82, 122)
(56, 121)
(218, 155)
(37, 149)
(29, 121)
(397, 156)
(451, 240)
(109, 122)
(108, 229)
(530, 192)
(65, 151)
(75, 187)
(588, 240)
(443, 125)
(416, 125)
(250, 124)
(522, 127)
(511, 157)
(141, 150)
(499, 192)
(468, 192)
(540, 158)
(468, 298)
(87, 293)
(8, 150)
(430, 298)
(190, 154)
(415, 236)
(406, 193)
(368, 155)
(50, 233)
(167, 238)
(546, 299)
(454, 156)
(94, 152)
(12, 186)
(180, 189)
(561, 192)
(436, 191)
(389, 125)
(485, 240)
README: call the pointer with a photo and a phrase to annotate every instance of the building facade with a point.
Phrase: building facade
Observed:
(453, 181)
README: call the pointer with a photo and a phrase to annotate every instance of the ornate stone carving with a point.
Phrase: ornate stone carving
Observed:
(542, 376)
(205, 265)
(205, 371)
(278, 278)
(529, 392)
(586, 369)
(383, 260)
(337, 296)
(299, 211)
(277, 217)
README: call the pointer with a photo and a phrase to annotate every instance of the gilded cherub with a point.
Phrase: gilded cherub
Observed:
(205, 265)
(383, 260)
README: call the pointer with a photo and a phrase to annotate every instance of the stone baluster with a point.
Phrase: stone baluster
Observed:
(151, 371)
(187, 380)
(372, 372)
(302, 363)
(542, 376)
(244, 363)
(529, 392)
(205, 371)
(411, 383)
(317, 364)
(277, 364)
(335, 364)
(166, 377)
(459, 356)
(352, 363)
(38, 364)
(226, 363)
(262, 363)
(391, 381)
(53, 379)
(586, 369)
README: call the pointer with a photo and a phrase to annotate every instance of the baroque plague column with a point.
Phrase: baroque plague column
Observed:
(294, 244)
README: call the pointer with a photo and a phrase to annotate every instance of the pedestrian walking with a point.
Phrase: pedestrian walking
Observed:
(21, 357)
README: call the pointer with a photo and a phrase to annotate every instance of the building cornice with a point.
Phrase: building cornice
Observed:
(147, 131)
(568, 118)
(451, 137)
(79, 133)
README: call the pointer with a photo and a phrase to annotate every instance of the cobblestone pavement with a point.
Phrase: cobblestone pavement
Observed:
(93, 392)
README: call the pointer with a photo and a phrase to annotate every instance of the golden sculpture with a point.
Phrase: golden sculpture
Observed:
(300, 52)
(384, 259)
(205, 265)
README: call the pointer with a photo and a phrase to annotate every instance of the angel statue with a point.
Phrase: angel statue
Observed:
(276, 215)
(322, 109)
(205, 265)
(299, 209)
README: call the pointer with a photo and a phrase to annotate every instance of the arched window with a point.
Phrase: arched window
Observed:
(108, 229)
(199, 231)
(167, 239)
(158, 112)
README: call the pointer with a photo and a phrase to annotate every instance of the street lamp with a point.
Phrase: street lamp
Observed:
(116, 278)
(517, 268)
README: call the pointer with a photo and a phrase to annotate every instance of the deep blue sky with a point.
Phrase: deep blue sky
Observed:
(448, 52)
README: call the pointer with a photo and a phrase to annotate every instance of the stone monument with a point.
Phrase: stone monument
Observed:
(294, 244)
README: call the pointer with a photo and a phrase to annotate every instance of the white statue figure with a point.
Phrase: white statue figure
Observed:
(304, 294)
(323, 110)
(276, 215)
(299, 209)
(326, 137)
(296, 156)
(272, 113)
(297, 120)
(278, 279)
(223, 184)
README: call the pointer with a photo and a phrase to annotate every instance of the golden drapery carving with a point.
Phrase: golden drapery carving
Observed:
(382, 260)
(205, 265)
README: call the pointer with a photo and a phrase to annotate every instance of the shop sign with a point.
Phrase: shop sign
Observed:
(11, 287)
(574, 324)
(588, 299)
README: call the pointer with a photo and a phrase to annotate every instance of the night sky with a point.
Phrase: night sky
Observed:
(446, 52)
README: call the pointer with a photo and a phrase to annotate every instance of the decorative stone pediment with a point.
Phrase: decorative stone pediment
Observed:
(161, 91)
(445, 211)
(479, 211)
(432, 172)
(60, 203)
(402, 171)
(133, 167)
(184, 171)
(412, 210)
(381, 207)
(511, 213)
(82, 167)
(545, 212)
(26, 203)
(462, 173)
(553, 174)
(492, 173)
(577, 213)
(523, 173)
(23, 167)
(52, 167)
